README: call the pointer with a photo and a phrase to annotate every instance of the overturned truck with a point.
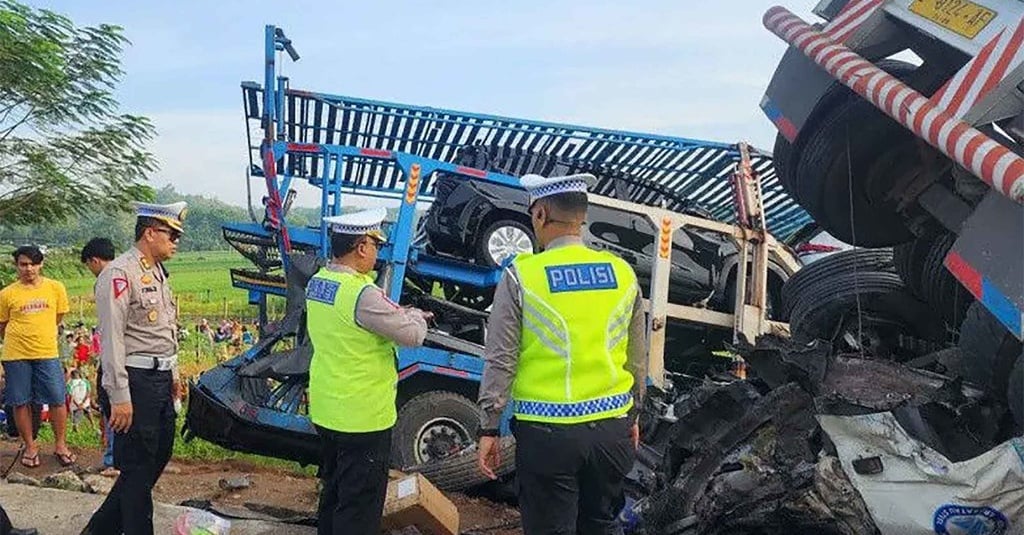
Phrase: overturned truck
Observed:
(897, 406)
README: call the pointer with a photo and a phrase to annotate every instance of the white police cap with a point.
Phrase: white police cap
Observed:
(173, 215)
(359, 223)
(539, 186)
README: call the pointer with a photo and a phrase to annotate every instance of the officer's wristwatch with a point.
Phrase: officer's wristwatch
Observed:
(482, 432)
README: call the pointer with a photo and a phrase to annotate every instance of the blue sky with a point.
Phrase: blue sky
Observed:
(684, 67)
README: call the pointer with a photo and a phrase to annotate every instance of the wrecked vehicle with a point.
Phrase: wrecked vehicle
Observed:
(825, 443)
(921, 155)
(833, 435)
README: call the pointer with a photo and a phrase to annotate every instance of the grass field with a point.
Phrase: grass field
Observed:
(200, 280)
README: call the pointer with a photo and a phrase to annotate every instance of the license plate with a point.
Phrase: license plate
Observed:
(961, 16)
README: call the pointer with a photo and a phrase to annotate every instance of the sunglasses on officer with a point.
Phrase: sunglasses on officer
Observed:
(172, 234)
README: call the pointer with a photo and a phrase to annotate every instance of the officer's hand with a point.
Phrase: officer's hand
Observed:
(488, 456)
(634, 433)
(121, 417)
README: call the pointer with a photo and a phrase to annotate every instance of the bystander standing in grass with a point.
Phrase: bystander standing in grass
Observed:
(79, 391)
(96, 255)
(31, 308)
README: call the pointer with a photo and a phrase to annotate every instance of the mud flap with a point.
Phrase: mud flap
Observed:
(988, 259)
(794, 91)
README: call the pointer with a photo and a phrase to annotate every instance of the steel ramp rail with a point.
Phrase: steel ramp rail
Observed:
(676, 169)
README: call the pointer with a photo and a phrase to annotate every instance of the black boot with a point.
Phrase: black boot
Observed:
(26, 531)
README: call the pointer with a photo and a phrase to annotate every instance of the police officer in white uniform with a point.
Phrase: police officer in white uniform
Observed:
(137, 321)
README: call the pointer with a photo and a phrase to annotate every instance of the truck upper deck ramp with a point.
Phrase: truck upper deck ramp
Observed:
(667, 169)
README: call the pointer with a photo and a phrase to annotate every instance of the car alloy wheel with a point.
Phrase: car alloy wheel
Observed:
(508, 241)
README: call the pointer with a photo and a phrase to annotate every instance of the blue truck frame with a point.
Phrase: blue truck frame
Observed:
(399, 255)
(290, 150)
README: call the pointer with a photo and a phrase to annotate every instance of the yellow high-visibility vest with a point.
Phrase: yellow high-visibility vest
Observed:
(577, 307)
(353, 376)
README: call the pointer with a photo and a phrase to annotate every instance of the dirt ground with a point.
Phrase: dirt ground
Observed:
(271, 487)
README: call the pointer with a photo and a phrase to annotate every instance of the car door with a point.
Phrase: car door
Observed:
(631, 236)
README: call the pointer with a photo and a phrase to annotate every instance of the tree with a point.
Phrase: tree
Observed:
(64, 147)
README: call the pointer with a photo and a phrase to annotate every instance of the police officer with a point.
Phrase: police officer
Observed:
(566, 335)
(137, 320)
(354, 329)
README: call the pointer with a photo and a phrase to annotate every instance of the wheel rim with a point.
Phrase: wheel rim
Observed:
(440, 438)
(508, 241)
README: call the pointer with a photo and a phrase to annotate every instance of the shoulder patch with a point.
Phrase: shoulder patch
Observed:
(120, 286)
(322, 290)
(581, 277)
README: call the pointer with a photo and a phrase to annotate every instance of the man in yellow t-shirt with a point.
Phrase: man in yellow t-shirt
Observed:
(31, 308)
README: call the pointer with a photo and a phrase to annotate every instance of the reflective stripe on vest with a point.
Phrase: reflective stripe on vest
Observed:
(352, 376)
(572, 410)
(576, 309)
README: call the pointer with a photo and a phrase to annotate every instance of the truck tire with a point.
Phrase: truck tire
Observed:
(784, 151)
(847, 162)
(433, 426)
(853, 260)
(909, 259)
(837, 170)
(941, 289)
(781, 155)
(920, 265)
(989, 351)
(893, 323)
(460, 472)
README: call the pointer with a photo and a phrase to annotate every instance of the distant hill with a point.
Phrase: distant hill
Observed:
(203, 231)
(205, 217)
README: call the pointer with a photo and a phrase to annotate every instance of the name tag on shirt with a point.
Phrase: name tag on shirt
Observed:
(581, 277)
(322, 290)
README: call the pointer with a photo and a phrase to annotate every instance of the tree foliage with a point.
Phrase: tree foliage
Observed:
(202, 228)
(64, 147)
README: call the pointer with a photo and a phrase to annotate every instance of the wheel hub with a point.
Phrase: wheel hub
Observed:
(440, 438)
(508, 241)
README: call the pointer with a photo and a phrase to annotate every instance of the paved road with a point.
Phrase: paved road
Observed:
(60, 512)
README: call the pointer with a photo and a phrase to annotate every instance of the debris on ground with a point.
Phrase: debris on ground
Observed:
(22, 479)
(98, 483)
(201, 522)
(412, 501)
(235, 483)
(276, 494)
(66, 480)
(778, 454)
